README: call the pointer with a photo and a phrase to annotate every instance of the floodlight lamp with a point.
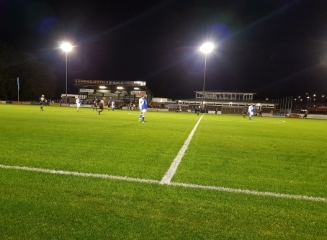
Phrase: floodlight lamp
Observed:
(120, 88)
(66, 46)
(102, 87)
(207, 47)
(136, 88)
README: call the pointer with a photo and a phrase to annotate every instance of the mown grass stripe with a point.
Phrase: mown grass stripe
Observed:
(186, 185)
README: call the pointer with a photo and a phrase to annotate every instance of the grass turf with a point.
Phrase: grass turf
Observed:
(264, 154)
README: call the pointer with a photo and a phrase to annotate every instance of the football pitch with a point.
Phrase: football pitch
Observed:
(80, 175)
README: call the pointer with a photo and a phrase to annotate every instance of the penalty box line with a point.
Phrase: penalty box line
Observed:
(186, 185)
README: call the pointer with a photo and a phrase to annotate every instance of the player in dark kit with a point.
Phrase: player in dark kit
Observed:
(42, 101)
(245, 111)
(101, 104)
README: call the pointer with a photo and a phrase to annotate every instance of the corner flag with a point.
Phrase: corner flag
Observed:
(18, 83)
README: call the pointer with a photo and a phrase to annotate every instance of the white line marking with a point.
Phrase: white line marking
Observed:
(129, 179)
(94, 175)
(174, 165)
(251, 192)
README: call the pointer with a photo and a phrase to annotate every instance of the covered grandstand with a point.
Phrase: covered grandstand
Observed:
(122, 92)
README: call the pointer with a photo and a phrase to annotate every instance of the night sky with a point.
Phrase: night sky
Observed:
(275, 48)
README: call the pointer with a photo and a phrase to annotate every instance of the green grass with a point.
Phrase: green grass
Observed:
(264, 155)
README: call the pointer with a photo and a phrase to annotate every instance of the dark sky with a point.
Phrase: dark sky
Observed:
(273, 48)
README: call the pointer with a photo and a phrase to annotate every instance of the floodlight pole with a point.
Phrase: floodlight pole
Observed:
(205, 48)
(66, 47)
(204, 78)
(66, 76)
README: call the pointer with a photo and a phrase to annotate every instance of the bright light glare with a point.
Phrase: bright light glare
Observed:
(66, 46)
(207, 47)
(120, 88)
(102, 87)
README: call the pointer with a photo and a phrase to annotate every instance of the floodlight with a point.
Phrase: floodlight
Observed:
(207, 47)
